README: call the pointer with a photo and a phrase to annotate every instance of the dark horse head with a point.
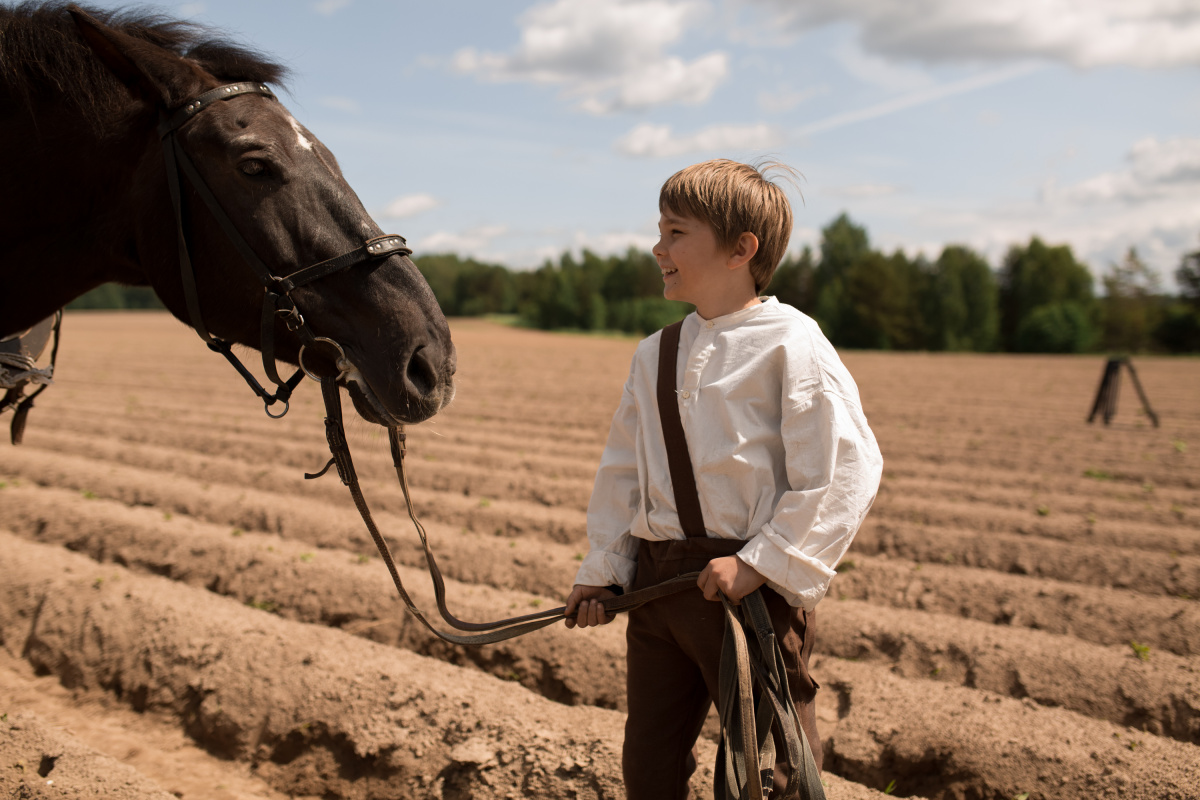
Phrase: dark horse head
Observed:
(86, 201)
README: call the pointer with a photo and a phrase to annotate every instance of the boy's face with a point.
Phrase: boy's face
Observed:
(693, 265)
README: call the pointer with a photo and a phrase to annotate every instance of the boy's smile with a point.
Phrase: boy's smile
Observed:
(697, 270)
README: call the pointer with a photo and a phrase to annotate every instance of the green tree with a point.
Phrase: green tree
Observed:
(960, 306)
(1131, 308)
(843, 245)
(1179, 331)
(792, 282)
(1056, 328)
(880, 296)
(1039, 275)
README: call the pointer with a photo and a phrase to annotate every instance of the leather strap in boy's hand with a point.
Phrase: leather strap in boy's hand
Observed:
(584, 606)
(730, 575)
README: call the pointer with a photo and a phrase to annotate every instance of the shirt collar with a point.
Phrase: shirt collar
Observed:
(737, 317)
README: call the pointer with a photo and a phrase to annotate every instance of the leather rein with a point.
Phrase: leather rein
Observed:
(277, 301)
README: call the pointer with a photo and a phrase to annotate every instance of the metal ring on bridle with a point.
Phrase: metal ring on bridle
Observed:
(281, 414)
(342, 363)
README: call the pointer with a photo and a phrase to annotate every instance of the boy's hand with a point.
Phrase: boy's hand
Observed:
(585, 600)
(732, 576)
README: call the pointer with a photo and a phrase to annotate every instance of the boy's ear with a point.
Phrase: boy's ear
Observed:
(744, 250)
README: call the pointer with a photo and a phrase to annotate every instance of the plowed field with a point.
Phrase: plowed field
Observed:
(182, 614)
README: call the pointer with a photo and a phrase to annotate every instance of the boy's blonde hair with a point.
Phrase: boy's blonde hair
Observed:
(733, 198)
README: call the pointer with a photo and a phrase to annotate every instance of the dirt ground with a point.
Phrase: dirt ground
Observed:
(183, 615)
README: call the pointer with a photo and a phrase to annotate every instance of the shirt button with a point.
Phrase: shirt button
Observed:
(708, 324)
(685, 394)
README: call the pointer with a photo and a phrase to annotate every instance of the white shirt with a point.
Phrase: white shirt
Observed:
(779, 443)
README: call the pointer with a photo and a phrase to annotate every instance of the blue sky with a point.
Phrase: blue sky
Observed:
(511, 131)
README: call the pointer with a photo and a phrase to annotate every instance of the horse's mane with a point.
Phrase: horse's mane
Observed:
(41, 51)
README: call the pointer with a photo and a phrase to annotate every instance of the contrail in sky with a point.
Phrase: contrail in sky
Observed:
(919, 98)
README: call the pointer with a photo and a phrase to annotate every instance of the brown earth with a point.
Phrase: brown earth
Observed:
(1017, 615)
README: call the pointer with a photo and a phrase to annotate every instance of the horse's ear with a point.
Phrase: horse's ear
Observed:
(131, 60)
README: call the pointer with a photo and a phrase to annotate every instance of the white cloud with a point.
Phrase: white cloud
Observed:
(881, 72)
(1156, 170)
(330, 7)
(1083, 33)
(608, 55)
(409, 205)
(648, 140)
(474, 241)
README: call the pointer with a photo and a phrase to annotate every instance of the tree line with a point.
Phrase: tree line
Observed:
(1039, 300)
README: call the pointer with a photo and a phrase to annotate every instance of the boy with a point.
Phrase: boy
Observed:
(783, 461)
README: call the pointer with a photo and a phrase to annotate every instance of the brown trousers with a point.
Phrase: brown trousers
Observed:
(673, 655)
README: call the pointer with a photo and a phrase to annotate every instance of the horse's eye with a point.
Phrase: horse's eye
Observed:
(252, 166)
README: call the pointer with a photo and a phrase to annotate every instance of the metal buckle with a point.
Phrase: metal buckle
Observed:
(342, 363)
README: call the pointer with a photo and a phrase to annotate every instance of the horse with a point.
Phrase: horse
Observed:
(100, 115)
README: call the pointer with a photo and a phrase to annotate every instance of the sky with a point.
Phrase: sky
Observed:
(512, 131)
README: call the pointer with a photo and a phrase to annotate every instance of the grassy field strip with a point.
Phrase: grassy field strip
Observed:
(1099, 615)
(334, 588)
(315, 710)
(1096, 565)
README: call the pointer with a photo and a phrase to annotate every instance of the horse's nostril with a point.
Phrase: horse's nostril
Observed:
(420, 373)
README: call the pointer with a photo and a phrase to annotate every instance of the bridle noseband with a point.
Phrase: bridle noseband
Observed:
(277, 300)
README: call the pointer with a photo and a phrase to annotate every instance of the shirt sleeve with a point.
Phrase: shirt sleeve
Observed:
(833, 468)
(616, 499)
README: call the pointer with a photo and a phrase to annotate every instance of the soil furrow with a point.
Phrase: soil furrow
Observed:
(949, 742)
(313, 711)
(1160, 694)
(1089, 613)
(1123, 568)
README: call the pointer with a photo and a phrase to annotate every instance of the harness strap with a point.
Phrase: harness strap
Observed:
(679, 459)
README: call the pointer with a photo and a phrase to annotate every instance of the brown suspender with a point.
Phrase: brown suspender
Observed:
(679, 459)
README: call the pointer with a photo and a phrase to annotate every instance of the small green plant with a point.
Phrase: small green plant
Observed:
(1021, 796)
(306, 557)
(1147, 487)
(96, 584)
(511, 545)
(1091, 519)
(270, 606)
(236, 532)
(1043, 511)
(1180, 445)
(891, 787)
(3, 484)
(484, 502)
(3, 717)
(1142, 651)
(1177, 510)
(949, 558)
(166, 516)
(88, 495)
(1133, 744)
(846, 566)
(578, 556)
(363, 558)
(1097, 474)
(535, 602)
(429, 457)
(933, 673)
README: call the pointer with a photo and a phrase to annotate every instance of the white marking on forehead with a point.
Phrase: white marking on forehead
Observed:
(304, 142)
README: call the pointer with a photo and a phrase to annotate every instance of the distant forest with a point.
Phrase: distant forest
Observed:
(1040, 299)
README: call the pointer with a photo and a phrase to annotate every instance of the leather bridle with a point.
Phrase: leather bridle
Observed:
(277, 299)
